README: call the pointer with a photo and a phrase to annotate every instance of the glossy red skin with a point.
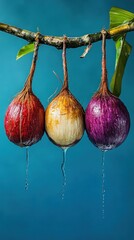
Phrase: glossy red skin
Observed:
(25, 120)
(107, 121)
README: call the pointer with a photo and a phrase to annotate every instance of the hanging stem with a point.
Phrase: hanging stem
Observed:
(103, 86)
(65, 84)
(28, 84)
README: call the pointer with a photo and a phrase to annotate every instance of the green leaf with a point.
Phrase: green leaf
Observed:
(120, 16)
(25, 50)
(123, 50)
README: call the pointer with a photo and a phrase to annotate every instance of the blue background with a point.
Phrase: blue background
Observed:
(40, 213)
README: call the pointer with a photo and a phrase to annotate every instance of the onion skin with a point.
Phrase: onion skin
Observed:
(107, 121)
(25, 119)
(64, 120)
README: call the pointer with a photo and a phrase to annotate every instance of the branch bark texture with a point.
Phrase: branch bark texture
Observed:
(72, 42)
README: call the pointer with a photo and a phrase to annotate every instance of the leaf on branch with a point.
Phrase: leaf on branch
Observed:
(123, 50)
(120, 16)
(25, 50)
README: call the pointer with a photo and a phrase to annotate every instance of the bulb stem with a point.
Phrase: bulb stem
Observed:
(28, 83)
(104, 85)
(65, 84)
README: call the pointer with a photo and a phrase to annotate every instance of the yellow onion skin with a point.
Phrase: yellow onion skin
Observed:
(64, 120)
(25, 119)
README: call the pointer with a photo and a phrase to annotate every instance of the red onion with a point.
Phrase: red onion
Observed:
(25, 117)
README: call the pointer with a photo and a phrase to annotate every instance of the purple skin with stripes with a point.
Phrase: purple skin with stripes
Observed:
(107, 121)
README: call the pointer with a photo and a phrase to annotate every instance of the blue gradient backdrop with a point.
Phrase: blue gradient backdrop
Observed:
(39, 213)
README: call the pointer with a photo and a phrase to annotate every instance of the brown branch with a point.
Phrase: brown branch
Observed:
(72, 42)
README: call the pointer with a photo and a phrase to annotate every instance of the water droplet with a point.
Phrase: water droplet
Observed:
(63, 171)
(103, 184)
(27, 168)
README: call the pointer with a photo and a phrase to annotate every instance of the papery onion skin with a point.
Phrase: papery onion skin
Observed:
(25, 119)
(64, 120)
(107, 121)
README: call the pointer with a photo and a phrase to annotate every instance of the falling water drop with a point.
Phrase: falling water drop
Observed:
(103, 184)
(27, 168)
(63, 171)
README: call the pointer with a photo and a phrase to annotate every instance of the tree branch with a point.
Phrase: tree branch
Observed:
(72, 42)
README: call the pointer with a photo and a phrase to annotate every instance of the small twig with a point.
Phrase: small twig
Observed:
(86, 50)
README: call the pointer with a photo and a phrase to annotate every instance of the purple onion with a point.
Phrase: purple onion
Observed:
(107, 121)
